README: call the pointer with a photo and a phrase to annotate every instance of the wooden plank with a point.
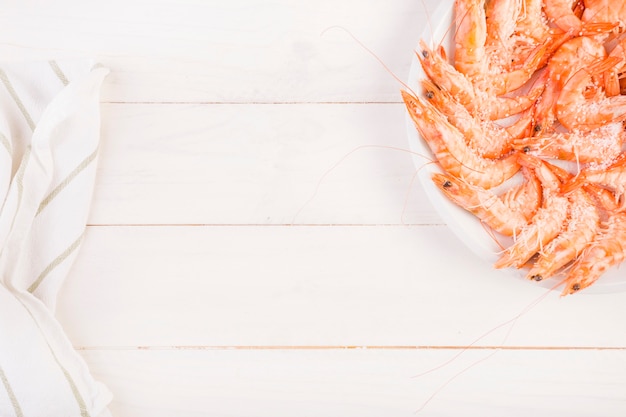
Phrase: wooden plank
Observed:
(366, 383)
(235, 51)
(257, 164)
(314, 286)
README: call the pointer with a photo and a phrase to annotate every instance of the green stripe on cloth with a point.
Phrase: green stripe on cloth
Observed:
(19, 181)
(84, 164)
(80, 402)
(6, 143)
(7, 386)
(56, 262)
(7, 84)
(59, 73)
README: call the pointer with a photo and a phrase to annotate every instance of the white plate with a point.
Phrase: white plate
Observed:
(464, 225)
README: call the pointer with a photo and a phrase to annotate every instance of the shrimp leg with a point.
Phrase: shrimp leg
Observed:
(547, 222)
(582, 226)
(501, 215)
(606, 251)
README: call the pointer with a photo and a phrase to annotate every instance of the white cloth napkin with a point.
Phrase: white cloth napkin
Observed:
(49, 136)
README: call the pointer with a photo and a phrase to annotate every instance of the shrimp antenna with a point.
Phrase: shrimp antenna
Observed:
(492, 234)
(429, 22)
(408, 191)
(369, 51)
(346, 156)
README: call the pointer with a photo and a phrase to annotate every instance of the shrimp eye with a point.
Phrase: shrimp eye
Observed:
(526, 149)
(430, 94)
(537, 128)
(425, 53)
(447, 184)
(575, 287)
(536, 277)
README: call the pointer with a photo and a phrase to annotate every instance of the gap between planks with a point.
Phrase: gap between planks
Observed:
(354, 347)
(247, 103)
(265, 225)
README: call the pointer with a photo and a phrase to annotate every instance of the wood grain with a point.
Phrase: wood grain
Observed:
(313, 286)
(236, 51)
(257, 164)
(340, 383)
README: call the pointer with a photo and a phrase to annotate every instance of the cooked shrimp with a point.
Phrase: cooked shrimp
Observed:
(502, 79)
(532, 29)
(595, 146)
(501, 17)
(449, 147)
(483, 104)
(576, 110)
(484, 204)
(612, 177)
(545, 225)
(561, 13)
(470, 37)
(607, 250)
(493, 51)
(605, 11)
(605, 198)
(532, 23)
(569, 16)
(582, 224)
(445, 76)
(486, 137)
(571, 56)
(525, 197)
(612, 77)
(523, 126)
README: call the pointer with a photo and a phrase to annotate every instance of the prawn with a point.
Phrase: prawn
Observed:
(582, 225)
(486, 137)
(490, 49)
(597, 11)
(532, 23)
(531, 30)
(452, 152)
(561, 13)
(484, 204)
(481, 26)
(595, 146)
(525, 197)
(576, 17)
(612, 177)
(575, 110)
(470, 37)
(504, 215)
(612, 77)
(545, 225)
(607, 250)
(605, 198)
(501, 17)
(571, 56)
(482, 104)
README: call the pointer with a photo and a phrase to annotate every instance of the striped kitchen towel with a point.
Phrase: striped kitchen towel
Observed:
(49, 137)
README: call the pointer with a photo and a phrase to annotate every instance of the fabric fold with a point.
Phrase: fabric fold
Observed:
(49, 140)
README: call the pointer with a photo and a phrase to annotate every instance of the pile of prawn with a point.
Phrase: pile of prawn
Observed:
(534, 90)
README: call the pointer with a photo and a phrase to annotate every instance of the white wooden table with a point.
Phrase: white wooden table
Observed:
(257, 248)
